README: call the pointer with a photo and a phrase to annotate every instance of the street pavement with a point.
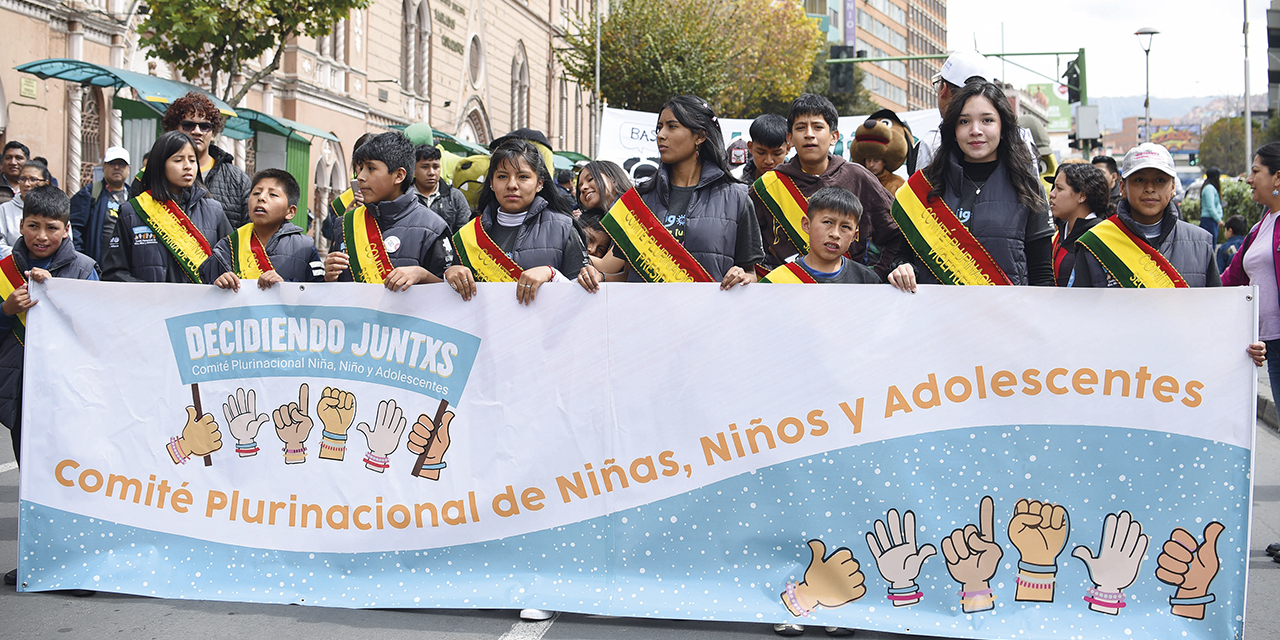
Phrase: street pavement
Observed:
(59, 615)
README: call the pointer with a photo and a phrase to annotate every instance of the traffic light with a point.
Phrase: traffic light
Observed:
(841, 75)
(1072, 141)
(1194, 160)
(1072, 78)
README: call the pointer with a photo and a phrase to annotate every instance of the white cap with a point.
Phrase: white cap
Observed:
(961, 66)
(1147, 155)
(116, 153)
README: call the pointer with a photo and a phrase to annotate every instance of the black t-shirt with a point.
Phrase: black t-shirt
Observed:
(678, 211)
(504, 237)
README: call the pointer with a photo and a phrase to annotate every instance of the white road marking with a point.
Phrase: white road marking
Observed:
(8, 466)
(529, 630)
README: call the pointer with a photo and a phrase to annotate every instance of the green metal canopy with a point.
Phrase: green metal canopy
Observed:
(158, 93)
(150, 89)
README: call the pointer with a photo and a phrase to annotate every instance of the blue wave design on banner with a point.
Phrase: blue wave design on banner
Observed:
(726, 551)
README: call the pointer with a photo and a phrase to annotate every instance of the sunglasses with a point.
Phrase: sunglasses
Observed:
(192, 125)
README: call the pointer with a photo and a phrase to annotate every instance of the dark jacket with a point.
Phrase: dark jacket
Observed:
(1235, 274)
(1005, 227)
(451, 206)
(1067, 247)
(546, 238)
(229, 186)
(414, 235)
(292, 254)
(7, 192)
(850, 273)
(93, 219)
(719, 215)
(876, 223)
(136, 255)
(66, 263)
(1186, 246)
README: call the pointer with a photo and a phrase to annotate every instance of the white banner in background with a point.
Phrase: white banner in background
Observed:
(996, 461)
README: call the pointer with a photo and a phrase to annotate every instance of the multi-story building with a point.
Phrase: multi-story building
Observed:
(472, 69)
(890, 28)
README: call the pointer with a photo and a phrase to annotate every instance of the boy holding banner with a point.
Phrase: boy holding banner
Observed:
(41, 252)
(780, 196)
(269, 249)
(1146, 244)
(393, 239)
(831, 225)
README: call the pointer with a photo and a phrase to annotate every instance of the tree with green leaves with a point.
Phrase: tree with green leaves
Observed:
(220, 38)
(740, 55)
(1222, 145)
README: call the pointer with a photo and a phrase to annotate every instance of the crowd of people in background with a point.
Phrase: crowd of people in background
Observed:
(798, 214)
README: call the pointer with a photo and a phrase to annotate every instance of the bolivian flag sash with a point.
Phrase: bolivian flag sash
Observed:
(248, 257)
(174, 230)
(1132, 262)
(10, 280)
(789, 273)
(368, 256)
(339, 205)
(649, 247)
(479, 253)
(783, 199)
(945, 246)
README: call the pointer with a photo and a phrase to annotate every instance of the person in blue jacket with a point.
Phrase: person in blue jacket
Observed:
(96, 207)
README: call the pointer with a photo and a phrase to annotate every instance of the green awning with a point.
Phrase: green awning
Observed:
(150, 89)
(158, 93)
(282, 126)
(460, 147)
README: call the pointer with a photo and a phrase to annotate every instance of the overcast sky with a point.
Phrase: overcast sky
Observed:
(1198, 52)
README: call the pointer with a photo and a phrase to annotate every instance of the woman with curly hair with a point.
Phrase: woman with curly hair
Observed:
(195, 115)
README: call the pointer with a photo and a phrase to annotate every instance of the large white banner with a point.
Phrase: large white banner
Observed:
(968, 462)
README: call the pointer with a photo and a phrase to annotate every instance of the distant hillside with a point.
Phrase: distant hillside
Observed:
(1112, 111)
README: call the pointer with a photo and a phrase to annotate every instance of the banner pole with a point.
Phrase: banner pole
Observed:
(195, 401)
(422, 457)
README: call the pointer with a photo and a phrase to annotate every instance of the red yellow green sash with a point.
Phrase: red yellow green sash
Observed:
(945, 246)
(175, 231)
(248, 257)
(1059, 254)
(789, 273)
(368, 256)
(479, 253)
(649, 247)
(783, 199)
(1132, 262)
(339, 205)
(10, 280)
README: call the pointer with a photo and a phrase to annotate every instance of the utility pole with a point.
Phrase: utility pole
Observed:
(1248, 110)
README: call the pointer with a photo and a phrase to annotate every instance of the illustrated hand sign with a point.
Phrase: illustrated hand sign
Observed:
(1116, 565)
(244, 421)
(200, 437)
(427, 438)
(829, 581)
(336, 409)
(893, 546)
(384, 437)
(1190, 566)
(972, 556)
(1039, 531)
(293, 424)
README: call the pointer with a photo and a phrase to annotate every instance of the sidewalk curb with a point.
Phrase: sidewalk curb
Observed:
(1267, 405)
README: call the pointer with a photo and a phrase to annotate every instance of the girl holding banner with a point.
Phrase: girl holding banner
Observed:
(167, 231)
(691, 222)
(524, 233)
(976, 214)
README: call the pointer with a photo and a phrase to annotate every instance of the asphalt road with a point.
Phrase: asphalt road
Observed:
(59, 615)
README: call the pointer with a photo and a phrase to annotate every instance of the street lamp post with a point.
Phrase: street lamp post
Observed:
(1147, 32)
